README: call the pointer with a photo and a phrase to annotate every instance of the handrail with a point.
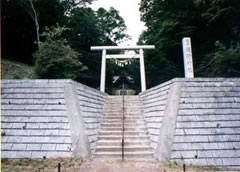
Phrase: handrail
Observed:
(123, 101)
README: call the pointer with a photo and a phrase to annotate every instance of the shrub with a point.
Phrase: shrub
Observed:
(55, 59)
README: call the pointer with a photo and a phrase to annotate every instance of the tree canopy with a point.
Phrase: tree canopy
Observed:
(205, 21)
(85, 27)
(213, 26)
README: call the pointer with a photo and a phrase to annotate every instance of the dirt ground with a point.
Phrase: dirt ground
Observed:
(134, 166)
(117, 166)
(97, 165)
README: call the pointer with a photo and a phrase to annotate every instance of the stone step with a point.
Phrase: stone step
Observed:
(136, 139)
(139, 111)
(120, 117)
(126, 124)
(126, 105)
(119, 128)
(115, 98)
(125, 120)
(126, 96)
(120, 105)
(121, 114)
(134, 111)
(126, 143)
(133, 123)
(126, 102)
(126, 99)
(135, 155)
(125, 115)
(119, 148)
(116, 133)
(120, 111)
(126, 137)
(110, 106)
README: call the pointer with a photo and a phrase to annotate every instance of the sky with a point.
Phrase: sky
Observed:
(129, 10)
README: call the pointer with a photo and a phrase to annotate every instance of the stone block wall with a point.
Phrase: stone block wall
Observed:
(206, 128)
(91, 103)
(155, 101)
(35, 118)
(193, 121)
(207, 131)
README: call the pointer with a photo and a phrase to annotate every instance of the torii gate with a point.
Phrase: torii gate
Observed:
(122, 56)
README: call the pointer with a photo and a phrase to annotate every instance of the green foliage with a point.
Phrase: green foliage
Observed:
(168, 21)
(224, 62)
(18, 28)
(56, 59)
(55, 33)
(84, 31)
(112, 26)
(17, 75)
(84, 28)
(15, 70)
(89, 28)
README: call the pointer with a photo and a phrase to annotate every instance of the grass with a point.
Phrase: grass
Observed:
(179, 167)
(16, 70)
(43, 165)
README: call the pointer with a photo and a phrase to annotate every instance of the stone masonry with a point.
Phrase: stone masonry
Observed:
(37, 121)
(193, 121)
(199, 124)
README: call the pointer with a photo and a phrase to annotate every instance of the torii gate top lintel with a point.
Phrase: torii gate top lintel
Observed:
(138, 47)
(105, 56)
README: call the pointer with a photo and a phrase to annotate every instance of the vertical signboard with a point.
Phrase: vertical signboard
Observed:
(187, 57)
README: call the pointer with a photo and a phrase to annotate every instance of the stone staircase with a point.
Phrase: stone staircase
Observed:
(109, 143)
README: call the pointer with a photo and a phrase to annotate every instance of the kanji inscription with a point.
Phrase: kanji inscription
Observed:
(187, 56)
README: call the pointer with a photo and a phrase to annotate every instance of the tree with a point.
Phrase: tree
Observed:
(84, 31)
(86, 28)
(19, 29)
(205, 21)
(89, 28)
(71, 4)
(56, 59)
(34, 14)
(112, 26)
(224, 62)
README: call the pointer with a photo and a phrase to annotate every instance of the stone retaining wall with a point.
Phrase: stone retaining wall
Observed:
(91, 103)
(155, 101)
(193, 121)
(207, 121)
(35, 118)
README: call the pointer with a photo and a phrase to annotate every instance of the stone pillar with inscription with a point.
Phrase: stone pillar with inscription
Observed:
(187, 57)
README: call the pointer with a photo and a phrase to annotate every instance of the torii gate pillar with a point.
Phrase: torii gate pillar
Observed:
(142, 71)
(103, 71)
(105, 56)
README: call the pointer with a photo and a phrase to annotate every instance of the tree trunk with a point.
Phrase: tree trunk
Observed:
(35, 18)
(37, 32)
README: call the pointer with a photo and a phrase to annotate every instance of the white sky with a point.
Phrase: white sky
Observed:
(129, 10)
